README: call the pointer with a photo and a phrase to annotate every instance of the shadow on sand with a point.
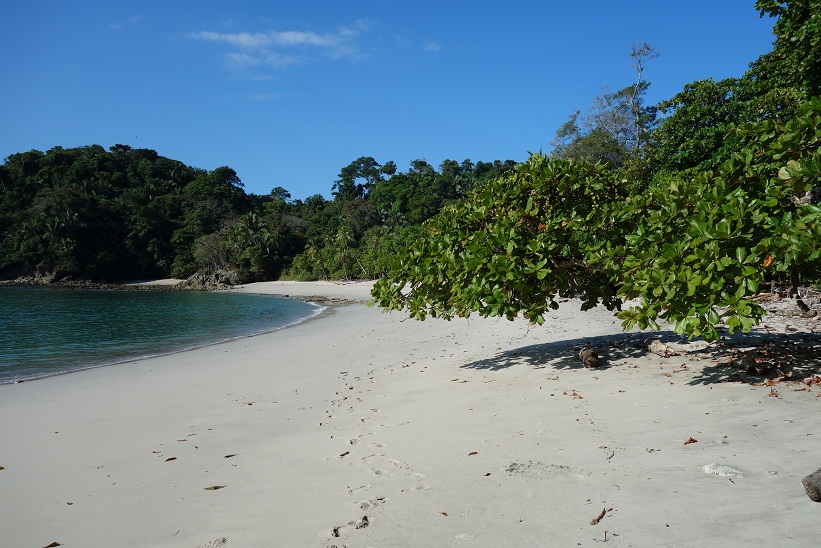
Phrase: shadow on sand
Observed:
(749, 358)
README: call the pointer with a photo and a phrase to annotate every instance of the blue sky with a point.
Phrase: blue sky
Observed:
(288, 93)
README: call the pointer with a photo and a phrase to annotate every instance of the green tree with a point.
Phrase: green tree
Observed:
(359, 177)
(616, 127)
(693, 253)
(798, 41)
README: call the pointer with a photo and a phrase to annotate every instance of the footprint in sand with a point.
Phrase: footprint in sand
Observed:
(360, 488)
(361, 523)
(397, 463)
(217, 543)
(381, 472)
(417, 488)
(539, 470)
(372, 503)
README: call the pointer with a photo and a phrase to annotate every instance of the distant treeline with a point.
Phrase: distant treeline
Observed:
(123, 213)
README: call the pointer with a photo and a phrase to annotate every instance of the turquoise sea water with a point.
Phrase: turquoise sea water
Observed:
(46, 331)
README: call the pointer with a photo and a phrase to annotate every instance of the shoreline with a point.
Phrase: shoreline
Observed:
(368, 429)
(323, 306)
(322, 310)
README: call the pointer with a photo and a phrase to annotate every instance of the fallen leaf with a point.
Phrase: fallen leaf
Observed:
(170, 458)
(773, 393)
(214, 487)
(690, 440)
(599, 518)
(473, 453)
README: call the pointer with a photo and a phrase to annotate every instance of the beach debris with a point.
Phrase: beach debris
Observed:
(690, 440)
(170, 458)
(2, 467)
(589, 358)
(812, 485)
(444, 513)
(815, 379)
(600, 517)
(473, 453)
(229, 456)
(214, 487)
(722, 471)
(53, 544)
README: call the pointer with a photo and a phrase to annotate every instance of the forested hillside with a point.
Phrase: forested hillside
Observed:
(123, 213)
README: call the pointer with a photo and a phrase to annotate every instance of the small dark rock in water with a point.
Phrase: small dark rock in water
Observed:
(589, 358)
(812, 485)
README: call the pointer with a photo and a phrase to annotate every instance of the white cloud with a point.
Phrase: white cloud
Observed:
(129, 21)
(272, 47)
(264, 96)
(432, 46)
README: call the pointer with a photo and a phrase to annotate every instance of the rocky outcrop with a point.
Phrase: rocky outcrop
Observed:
(53, 280)
(213, 281)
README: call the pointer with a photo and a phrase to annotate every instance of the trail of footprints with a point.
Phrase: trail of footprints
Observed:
(362, 451)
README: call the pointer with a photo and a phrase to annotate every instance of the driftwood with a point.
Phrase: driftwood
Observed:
(657, 347)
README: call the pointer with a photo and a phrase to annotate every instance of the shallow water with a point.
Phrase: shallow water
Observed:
(46, 331)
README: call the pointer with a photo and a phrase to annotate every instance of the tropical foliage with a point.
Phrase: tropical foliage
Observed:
(686, 227)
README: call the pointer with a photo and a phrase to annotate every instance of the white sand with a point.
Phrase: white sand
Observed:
(463, 433)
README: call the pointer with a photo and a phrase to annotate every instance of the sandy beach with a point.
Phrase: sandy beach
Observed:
(360, 428)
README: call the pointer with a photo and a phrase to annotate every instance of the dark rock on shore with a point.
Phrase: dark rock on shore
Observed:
(214, 281)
